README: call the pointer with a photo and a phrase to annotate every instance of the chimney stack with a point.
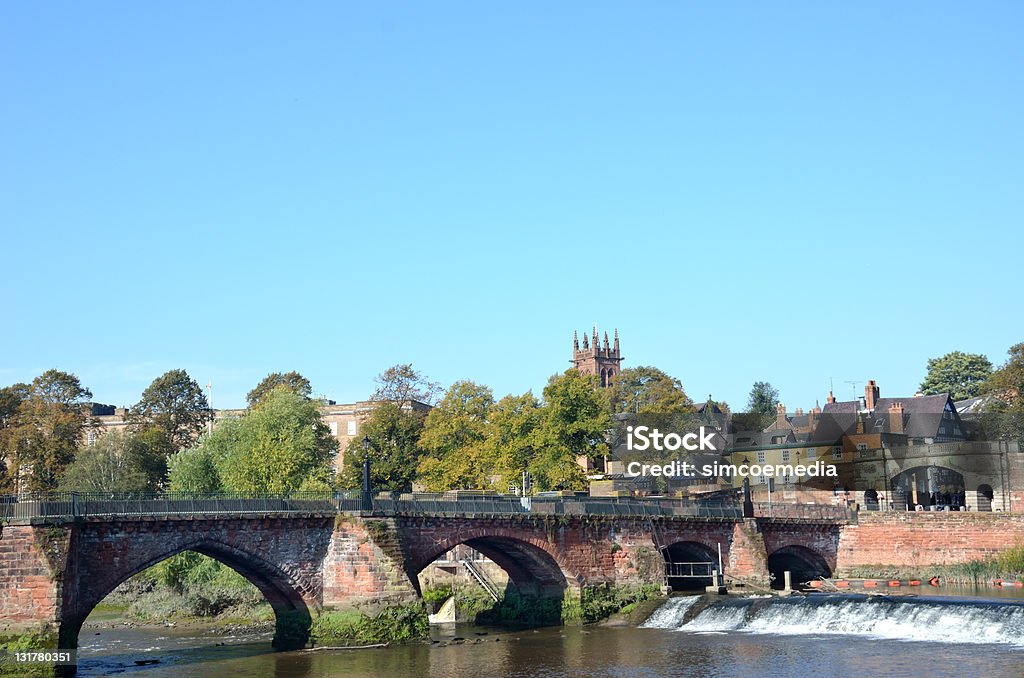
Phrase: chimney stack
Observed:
(896, 418)
(871, 395)
(831, 398)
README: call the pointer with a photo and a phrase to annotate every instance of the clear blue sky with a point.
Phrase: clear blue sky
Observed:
(749, 191)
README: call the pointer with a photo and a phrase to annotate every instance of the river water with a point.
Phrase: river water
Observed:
(819, 635)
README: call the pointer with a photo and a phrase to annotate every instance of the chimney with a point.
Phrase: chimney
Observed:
(831, 398)
(896, 418)
(811, 417)
(871, 395)
(860, 422)
(780, 416)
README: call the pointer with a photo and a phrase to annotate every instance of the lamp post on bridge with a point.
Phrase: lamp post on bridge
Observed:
(366, 496)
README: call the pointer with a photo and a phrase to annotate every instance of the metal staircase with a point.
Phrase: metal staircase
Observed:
(481, 579)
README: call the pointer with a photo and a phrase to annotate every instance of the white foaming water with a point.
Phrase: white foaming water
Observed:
(671, 614)
(714, 618)
(898, 620)
(935, 621)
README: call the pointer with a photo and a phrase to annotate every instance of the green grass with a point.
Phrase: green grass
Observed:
(349, 627)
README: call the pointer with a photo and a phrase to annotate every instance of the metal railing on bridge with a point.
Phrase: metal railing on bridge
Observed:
(99, 504)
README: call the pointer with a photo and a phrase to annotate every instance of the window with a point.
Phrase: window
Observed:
(862, 446)
(785, 455)
(837, 453)
(812, 453)
(760, 457)
(334, 428)
(351, 428)
(942, 430)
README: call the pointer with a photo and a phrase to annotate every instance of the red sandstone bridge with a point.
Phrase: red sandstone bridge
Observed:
(61, 555)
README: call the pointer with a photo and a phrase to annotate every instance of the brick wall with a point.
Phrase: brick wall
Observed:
(906, 539)
(363, 568)
(29, 592)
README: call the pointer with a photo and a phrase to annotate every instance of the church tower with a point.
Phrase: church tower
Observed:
(593, 358)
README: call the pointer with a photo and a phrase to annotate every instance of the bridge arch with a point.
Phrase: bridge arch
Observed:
(290, 599)
(683, 578)
(532, 568)
(804, 565)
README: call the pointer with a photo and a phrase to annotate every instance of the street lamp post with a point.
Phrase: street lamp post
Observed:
(366, 497)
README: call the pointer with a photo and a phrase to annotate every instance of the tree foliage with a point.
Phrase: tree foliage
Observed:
(648, 390)
(46, 428)
(273, 448)
(575, 422)
(293, 381)
(176, 405)
(1003, 415)
(194, 470)
(116, 462)
(394, 433)
(961, 375)
(452, 439)
(763, 400)
(401, 383)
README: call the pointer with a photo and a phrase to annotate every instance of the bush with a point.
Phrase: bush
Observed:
(404, 622)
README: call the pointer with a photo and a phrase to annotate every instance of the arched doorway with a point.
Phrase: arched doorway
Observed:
(802, 563)
(688, 565)
(930, 486)
(985, 496)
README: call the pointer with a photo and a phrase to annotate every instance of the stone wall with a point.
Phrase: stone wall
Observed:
(920, 539)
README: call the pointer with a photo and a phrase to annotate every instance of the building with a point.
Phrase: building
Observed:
(344, 420)
(593, 358)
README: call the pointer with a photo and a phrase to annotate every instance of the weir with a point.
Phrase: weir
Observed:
(897, 618)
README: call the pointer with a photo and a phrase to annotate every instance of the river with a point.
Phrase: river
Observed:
(819, 635)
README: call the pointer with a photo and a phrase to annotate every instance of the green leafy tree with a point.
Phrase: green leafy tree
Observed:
(515, 441)
(293, 381)
(763, 400)
(175, 404)
(961, 375)
(275, 447)
(47, 430)
(394, 433)
(401, 383)
(575, 422)
(648, 390)
(194, 470)
(1003, 414)
(114, 463)
(11, 398)
(452, 437)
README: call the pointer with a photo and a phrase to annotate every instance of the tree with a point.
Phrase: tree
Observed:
(114, 463)
(961, 375)
(394, 434)
(401, 383)
(273, 448)
(575, 422)
(516, 439)
(452, 439)
(1003, 414)
(293, 381)
(11, 398)
(648, 390)
(194, 470)
(175, 405)
(763, 400)
(47, 429)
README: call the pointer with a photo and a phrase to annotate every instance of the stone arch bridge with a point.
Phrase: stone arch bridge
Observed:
(58, 559)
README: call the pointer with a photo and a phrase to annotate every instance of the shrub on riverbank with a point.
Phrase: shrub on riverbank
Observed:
(349, 627)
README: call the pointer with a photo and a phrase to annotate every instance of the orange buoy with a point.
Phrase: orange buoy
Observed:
(870, 583)
(934, 581)
(914, 582)
(894, 582)
(816, 584)
(997, 582)
(842, 584)
(1018, 584)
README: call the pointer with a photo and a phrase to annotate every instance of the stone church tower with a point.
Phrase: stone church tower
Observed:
(596, 359)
